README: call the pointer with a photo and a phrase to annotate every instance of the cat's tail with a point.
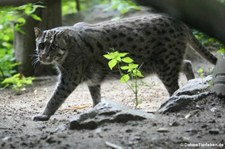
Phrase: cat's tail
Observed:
(202, 50)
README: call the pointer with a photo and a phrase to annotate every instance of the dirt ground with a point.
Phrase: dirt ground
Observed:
(200, 125)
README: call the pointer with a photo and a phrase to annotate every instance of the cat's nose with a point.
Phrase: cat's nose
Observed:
(44, 56)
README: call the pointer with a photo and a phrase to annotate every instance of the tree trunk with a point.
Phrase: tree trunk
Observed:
(24, 44)
(78, 5)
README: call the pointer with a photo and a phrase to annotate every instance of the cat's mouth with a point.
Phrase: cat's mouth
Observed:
(50, 60)
(46, 60)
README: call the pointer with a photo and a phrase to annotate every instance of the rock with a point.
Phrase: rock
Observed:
(129, 130)
(192, 131)
(61, 128)
(163, 130)
(194, 90)
(6, 139)
(107, 112)
(98, 132)
(214, 109)
(50, 140)
(218, 83)
(184, 139)
(61, 135)
(204, 126)
(212, 121)
(214, 131)
(175, 123)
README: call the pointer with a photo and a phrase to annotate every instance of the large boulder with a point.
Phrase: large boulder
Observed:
(194, 90)
(107, 112)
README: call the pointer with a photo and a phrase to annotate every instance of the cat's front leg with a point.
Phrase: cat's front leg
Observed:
(63, 90)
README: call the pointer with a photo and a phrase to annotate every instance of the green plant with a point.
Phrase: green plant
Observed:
(12, 18)
(221, 51)
(69, 6)
(127, 69)
(7, 64)
(206, 40)
(17, 82)
(209, 42)
(200, 72)
(123, 6)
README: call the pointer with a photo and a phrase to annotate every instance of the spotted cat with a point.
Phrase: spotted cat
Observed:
(157, 42)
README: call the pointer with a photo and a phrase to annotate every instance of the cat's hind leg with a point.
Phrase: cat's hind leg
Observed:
(169, 76)
(95, 91)
(187, 69)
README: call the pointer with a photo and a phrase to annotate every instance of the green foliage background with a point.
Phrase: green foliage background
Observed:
(12, 19)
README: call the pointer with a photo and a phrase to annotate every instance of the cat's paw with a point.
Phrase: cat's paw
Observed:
(41, 117)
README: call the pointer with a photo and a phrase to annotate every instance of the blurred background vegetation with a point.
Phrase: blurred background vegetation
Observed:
(12, 18)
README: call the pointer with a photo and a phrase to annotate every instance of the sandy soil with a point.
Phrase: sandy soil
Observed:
(202, 124)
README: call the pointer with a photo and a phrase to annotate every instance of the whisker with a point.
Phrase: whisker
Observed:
(33, 55)
(35, 62)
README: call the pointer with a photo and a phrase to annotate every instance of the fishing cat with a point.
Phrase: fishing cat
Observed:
(157, 42)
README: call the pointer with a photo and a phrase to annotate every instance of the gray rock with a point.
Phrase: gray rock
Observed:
(218, 82)
(214, 131)
(194, 90)
(107, 112)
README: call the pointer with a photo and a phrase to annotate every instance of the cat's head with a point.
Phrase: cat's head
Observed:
(51, 45)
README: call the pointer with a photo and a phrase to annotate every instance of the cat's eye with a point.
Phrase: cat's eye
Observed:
(53, 47)
(41, 46)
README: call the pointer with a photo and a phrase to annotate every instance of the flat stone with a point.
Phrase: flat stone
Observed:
(194, 90)
(107, 112)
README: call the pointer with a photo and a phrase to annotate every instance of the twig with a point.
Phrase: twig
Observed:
(114, 146)
(5, 128)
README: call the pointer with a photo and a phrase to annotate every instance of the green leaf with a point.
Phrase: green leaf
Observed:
(111, 55)
(200, 70)
(125, 78)
(221, 51)
(124, 67)
(127, 60)
(132, 66)
(137, 73)
(17, 81)
(112, 63)
(122, 54)
(21, 20)
(118, 59)
(107, 56)
(35, 17)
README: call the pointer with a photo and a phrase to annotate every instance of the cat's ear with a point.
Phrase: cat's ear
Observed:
(66, 32)
(37, 32)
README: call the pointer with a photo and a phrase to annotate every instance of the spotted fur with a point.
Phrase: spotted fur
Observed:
(156, 42)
